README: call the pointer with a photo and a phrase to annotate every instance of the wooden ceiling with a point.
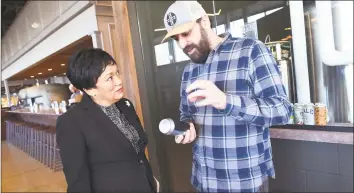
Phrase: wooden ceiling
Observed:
(53, 62)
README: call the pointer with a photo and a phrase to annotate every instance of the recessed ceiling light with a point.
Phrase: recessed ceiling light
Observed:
(39, 73)
(32, 76)
(55, 76)
(35, 25)
(50, 69)
(62, 64)
(64, 73)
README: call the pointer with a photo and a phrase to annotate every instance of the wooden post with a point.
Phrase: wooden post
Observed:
(124, 54)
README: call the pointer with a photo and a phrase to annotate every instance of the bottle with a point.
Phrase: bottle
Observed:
(56, 107)
(63, 106)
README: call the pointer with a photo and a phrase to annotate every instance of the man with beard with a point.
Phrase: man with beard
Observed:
(232, 92)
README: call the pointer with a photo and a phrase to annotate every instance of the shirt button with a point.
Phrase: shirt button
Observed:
(141, 162)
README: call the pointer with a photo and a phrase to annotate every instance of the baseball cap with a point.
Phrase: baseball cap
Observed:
(181, 16)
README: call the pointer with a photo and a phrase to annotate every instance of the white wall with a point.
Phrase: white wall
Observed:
(82, 25)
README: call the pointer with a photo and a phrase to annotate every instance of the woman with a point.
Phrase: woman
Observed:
(101, 139)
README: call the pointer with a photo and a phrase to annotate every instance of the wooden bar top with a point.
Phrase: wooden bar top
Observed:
(42, 117)
(49, 112)
(332, 133)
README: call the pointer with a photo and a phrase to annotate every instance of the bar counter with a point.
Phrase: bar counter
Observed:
(332, 133)
(34, 134)
(306, 157)
(41, 112)
(312, 158)
(42, 117)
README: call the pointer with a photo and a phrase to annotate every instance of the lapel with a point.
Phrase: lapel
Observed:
(109, 129)
(127, 108)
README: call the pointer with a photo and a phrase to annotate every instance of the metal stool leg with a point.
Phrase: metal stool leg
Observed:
(11, 133)
(51, 152)
(21, 129)
(38, 149)
(48, 136)
(28, 137)
(33, 142)
(35, 154)
(16, 135)
(42, 146)
(57, 158)
(7, 131)
(48, 141)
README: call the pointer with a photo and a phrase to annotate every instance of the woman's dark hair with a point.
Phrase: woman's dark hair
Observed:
(86, 65)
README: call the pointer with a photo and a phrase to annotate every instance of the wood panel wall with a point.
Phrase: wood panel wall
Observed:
(113, 24)
(125, 54)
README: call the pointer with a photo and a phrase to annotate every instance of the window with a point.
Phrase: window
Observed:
(349, 81)
(273, 10)
(162, 54)
(335, 75)
(236, 28)
(253, 18)
(179, 54)
(220, 29)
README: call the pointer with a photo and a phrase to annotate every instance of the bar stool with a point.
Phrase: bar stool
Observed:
(18, 127)
(46, 148)
(36, 143)
(21, 135)
(47, 155)
(44, 145)
(33, 141)
(9, 131)
(12, 134)
(28, 138)
(55, 160)
(15, 134)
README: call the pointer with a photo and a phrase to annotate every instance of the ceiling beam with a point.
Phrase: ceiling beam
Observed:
(10, 9)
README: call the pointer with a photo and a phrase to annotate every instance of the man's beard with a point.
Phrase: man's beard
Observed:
(202, 50)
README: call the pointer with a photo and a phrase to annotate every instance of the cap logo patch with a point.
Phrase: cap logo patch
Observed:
(171, 19)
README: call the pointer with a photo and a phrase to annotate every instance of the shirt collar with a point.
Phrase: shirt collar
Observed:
(227, 36)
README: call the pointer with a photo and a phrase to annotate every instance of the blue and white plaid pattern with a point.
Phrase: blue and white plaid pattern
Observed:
(233, 150)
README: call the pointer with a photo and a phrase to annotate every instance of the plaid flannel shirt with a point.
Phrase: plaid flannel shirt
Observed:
(232, 152)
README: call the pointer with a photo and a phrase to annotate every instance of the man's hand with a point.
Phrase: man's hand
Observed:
(208, 94)
(188, 137)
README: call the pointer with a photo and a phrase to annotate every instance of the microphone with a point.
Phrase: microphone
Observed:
(170, 127)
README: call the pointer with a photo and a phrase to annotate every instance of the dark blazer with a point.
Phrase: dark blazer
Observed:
(96, 156)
